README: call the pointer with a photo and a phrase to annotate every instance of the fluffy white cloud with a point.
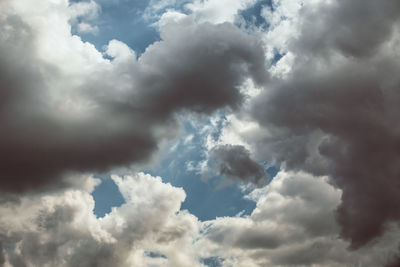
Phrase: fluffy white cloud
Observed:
(293, 224)
(87, 28)
(218, 11)
(60, 229)
(212, 11)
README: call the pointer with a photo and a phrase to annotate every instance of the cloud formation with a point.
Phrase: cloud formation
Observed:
(334, 113)
(61, 229)
(66, 108)
(234, 162)
(324, 108)
(293, 224)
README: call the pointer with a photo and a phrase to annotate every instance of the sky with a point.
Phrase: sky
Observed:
(199, 133)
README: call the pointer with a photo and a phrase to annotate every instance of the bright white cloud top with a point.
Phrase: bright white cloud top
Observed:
(308, 87)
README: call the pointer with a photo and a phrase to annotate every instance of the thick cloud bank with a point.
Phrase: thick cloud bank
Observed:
(292, 225)
(65, 108)
(336, 112)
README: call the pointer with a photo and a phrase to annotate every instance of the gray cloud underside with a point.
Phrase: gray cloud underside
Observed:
(336, 113)
(195, 68)
(234, 162)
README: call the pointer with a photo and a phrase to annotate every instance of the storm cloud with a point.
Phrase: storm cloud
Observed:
(234, 162)
(335, 113)
(92, 113)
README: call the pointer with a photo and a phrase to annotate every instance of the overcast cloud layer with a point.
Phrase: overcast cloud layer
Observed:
(313, 91)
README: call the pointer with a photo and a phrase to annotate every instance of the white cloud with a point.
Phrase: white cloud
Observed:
(87, 28)
(87, 10)
(217, 11)
(293, 224)
(60, 229)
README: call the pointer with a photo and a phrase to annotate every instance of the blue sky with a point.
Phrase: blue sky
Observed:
(123, 20)
(204, 198)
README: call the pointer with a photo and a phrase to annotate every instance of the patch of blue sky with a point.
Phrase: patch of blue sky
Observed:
(152, 254)
(203, 199)
(277, 56)
(253, 16)
(212, 262)
(122, 20)
(106, 195)
(272, 171)
(131, 22)
(206, 199)
(125, 20)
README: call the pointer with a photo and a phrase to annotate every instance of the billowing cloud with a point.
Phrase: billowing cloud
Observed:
(324, 109)
(66, 108)
(61, 229)
(234, 162)
(218, 11)
(293, 224)
(335, 112)
(353, 28)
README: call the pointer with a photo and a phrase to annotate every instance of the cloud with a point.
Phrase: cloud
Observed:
(353, 28)
(334, 113)
(293, 224)
(234, 162)
(327, 115)
(61, 229)
(66, 108)
(87, 28)
(218, 11)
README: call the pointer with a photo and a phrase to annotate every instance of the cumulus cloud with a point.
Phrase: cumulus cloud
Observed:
(327, 115)
(66, 108)
(87, 28)
(293, 224)
(61, 229)
(334, 113)
(218, 11)
(234, 162)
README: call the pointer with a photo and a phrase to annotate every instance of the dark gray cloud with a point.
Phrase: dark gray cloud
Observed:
(234, 162)
(335, 113)
(354, 28)
(2, 256)
(394, 262)
(128, 105)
